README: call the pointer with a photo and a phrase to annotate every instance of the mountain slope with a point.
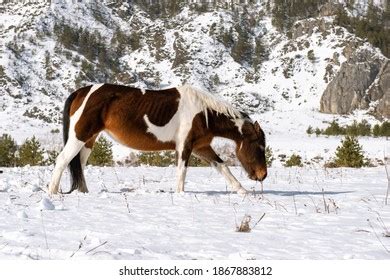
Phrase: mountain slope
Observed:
(47, 50)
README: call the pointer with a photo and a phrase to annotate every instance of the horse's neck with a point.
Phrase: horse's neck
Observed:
(227, 128)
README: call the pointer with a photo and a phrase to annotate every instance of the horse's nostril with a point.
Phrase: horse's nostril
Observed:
(261, 175)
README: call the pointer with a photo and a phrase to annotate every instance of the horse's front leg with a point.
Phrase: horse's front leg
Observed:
(208, 154)
(182, 157)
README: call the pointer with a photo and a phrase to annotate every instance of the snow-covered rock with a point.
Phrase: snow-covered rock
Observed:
(46, 204)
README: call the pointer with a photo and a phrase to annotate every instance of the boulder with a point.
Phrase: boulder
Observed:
(361, 80)
(380, 91)
(308, 26)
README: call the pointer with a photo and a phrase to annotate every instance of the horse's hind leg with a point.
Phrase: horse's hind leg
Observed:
(208, 154)
(86, 150)
(71, 149)
(182, 157)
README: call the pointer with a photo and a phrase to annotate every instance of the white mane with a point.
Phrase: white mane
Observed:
(209, 101)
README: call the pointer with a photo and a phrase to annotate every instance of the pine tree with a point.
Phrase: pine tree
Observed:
(30, 153)
(181, 52)
(101, 153)
(226, 37)
(269, 156)
(279, 16)
(135, 41)
(159, 42)
(242, 49)
(376, 130)
(163, 159)
(8, 149)
(214, 80)
(158, 79)
(334, 129)
(294, 160)
(48, 67)
(385, 129)
(260, 54)
(311, 56)
(359, 129)
(51, 157)
(350, 153)
(122, 40)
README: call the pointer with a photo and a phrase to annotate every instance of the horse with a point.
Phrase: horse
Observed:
(184, 119)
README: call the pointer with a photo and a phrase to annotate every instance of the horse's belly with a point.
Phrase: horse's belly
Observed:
(141, 141)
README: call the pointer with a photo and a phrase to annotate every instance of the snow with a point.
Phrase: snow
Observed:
(46, 204)
(133, 213)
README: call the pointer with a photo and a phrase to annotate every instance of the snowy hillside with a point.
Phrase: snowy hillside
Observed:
(285, 79)
(280, 83)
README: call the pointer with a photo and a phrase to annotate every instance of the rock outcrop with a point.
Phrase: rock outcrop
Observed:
(380, 91)
(330, 9)
(310, 26)
(363, 82)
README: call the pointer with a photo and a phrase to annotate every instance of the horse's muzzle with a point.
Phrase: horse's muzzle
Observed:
(259, 175)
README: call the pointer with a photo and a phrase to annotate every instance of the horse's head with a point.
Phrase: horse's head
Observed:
(251, 151)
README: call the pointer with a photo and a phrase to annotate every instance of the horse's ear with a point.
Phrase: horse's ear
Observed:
(257, 127)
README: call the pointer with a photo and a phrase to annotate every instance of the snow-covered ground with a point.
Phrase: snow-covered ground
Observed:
(133, 213)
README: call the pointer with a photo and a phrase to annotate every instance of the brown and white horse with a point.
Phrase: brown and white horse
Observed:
(183, 119)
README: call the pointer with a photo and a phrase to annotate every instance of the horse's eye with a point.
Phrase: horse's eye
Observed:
(261, 147)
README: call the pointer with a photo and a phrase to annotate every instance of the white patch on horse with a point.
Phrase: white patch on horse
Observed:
(206, 116)
(181, 174)
(239, 123)
(164, 133)
(72, 147)
(233, 183)
(143, 90)
(76, 116)
(210, 101)
(180, 124)
(84, 155)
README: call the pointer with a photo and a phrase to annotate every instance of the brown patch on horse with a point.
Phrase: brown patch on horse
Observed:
(120, 110)
(219, 125)
(203, 132)
(252, 153)
(91, 141)
(78, 100)
(200, 134)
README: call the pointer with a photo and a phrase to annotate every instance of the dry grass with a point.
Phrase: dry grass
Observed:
(244, 226)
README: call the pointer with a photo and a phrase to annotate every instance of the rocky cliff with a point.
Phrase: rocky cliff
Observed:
(363, 82)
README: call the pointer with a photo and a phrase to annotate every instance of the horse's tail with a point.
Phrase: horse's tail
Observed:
(75, 168)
